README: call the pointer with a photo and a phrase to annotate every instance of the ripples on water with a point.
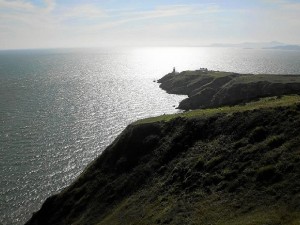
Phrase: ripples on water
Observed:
(59, 109)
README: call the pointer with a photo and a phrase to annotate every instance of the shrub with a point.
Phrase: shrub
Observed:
(214, 162)
(122, 164)
(200, 164)
(258, 134)
(267, 174)
(233, 186)
(150, 141)
(276, 141)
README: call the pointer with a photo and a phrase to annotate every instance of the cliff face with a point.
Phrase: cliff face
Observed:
(232, 168)
(214, 89)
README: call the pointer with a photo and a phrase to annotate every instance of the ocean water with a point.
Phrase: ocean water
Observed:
(60, 108)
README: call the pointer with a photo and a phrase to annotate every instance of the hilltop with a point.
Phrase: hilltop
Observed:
(230, 165)
(208, 89)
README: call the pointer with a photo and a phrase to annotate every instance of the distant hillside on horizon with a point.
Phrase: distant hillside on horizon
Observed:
(286, 47)
(260, 45)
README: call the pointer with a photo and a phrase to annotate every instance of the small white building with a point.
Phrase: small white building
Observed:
(203, 69)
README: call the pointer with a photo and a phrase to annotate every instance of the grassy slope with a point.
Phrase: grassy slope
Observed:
(214, 89)
(269, 102)
(241, 166)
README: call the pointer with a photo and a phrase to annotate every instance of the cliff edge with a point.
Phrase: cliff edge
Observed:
(206, 89)
(231, 165)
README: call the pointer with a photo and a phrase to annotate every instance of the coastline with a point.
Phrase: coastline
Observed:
(208, 89)
(232, 164)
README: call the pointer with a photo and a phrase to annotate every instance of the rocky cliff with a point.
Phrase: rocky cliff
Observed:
(206, 89)
(236, 166)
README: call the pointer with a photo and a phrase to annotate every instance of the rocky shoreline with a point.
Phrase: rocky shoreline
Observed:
(207, 89)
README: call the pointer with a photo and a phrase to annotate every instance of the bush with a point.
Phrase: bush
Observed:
(276, 141)
(267, 174)
(121, 164)
(200, 164)
(258, 134)
(150, 141)
(213, 162)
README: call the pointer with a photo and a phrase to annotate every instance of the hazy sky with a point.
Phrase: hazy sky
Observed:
(79, 23)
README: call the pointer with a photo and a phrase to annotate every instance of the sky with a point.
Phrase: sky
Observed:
(91, 23)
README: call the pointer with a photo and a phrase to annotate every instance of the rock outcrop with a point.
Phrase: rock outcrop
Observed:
(214, 89)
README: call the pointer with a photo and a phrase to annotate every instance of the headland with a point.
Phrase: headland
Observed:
(208, 89)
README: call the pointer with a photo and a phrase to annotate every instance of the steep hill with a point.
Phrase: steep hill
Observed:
(233, 165)
(206, 89)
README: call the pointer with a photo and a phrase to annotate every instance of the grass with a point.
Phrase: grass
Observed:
(238, 167)
(214, 74)
(269, 102)
(268, 77)
(242, 78)
(213, 89)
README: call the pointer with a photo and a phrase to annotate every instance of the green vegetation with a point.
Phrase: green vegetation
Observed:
(214, 89)
(237, 167)
(269, 102)
(268, 78)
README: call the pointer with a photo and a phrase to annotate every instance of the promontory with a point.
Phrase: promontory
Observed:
(206, 89)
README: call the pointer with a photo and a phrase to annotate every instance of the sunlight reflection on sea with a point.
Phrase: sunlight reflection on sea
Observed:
(59, 109)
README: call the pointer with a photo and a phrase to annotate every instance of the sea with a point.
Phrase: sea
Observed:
(60, 108)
